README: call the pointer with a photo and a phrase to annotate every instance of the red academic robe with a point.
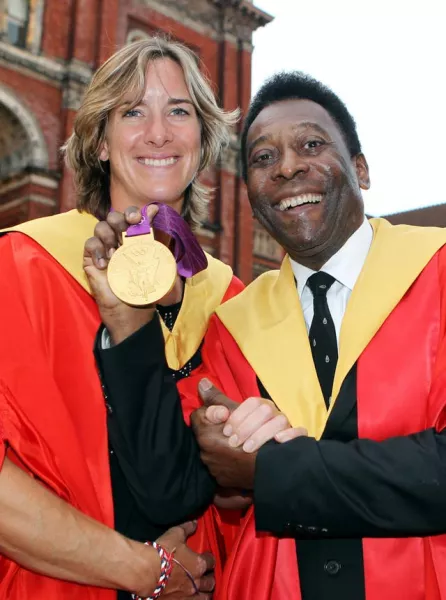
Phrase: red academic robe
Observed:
(52, 412)
(394, 360)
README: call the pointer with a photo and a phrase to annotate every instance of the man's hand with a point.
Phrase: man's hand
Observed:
(200, 566)
(231, 464)
(232, 499)
(231, 467)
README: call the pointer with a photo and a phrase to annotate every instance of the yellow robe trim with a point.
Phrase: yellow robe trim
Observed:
(267, 322)
(64, 236)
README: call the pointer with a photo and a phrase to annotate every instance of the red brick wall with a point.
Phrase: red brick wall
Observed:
(57, 28)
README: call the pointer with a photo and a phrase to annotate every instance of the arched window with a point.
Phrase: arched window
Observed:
(18, 15)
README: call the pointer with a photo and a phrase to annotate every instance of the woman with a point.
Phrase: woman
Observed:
(148, 125)
(162, 128)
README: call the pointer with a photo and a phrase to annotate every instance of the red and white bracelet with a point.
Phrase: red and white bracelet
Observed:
(166, 569)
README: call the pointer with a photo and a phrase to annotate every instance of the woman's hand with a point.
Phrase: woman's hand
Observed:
(257, 421)
(249, 424)
(120, 319)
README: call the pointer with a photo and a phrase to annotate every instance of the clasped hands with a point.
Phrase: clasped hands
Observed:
(230, 435)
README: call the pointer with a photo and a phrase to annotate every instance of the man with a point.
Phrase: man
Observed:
(349, 341)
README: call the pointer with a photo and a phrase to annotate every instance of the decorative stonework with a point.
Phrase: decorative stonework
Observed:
(79, 71)
(47, 67)
(198, 15)
(78, 75)
(15, 148)
(265, 246)
(26, 122)
(238, 18)
(72, 95)
(46, 181)
(37, 198)
(258, 269)
(229, 160)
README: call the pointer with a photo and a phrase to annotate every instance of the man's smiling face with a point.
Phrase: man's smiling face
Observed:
(303, 185)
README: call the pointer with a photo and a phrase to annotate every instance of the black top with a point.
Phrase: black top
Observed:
(158, 479)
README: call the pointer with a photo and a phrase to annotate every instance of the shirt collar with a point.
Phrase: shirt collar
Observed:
(345, 266)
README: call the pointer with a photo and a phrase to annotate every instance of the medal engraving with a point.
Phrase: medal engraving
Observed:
(142, 270)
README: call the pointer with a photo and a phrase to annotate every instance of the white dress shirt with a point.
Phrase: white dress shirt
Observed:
(345, 266)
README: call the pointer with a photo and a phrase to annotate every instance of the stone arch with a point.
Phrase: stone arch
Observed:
(29, 149)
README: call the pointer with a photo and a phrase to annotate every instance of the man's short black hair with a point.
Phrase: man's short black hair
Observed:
(295, 85)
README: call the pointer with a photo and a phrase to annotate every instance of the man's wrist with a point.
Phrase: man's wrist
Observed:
(121, 327)
(144, 570)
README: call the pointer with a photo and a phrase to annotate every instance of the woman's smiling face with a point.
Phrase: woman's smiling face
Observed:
(154, 148)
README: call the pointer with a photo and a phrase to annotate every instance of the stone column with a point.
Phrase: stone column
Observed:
(228, 91)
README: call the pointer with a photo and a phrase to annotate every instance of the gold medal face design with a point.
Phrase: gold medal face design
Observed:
(142, 270)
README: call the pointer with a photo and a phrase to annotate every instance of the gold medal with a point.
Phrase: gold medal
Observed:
(142, 270)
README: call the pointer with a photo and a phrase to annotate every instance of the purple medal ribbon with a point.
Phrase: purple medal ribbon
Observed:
(188, 253)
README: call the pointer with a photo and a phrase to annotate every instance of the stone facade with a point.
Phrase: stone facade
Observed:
(48, 52)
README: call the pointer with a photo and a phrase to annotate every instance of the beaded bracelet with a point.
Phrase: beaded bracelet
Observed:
(166, 569)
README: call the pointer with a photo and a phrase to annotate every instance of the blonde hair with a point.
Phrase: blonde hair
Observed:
(125, 72)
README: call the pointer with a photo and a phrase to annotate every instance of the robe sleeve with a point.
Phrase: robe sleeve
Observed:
(155, 448)
(15, 376)
(47, 376)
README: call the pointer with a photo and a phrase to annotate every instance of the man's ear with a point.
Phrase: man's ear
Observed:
(362, 171)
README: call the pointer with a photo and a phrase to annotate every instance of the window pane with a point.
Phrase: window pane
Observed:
(18, 9)
(16, 34)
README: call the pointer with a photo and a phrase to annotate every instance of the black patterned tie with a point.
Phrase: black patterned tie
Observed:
(322, 334)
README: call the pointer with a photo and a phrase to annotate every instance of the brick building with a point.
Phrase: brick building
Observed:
(48, 51)
(429, 216)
